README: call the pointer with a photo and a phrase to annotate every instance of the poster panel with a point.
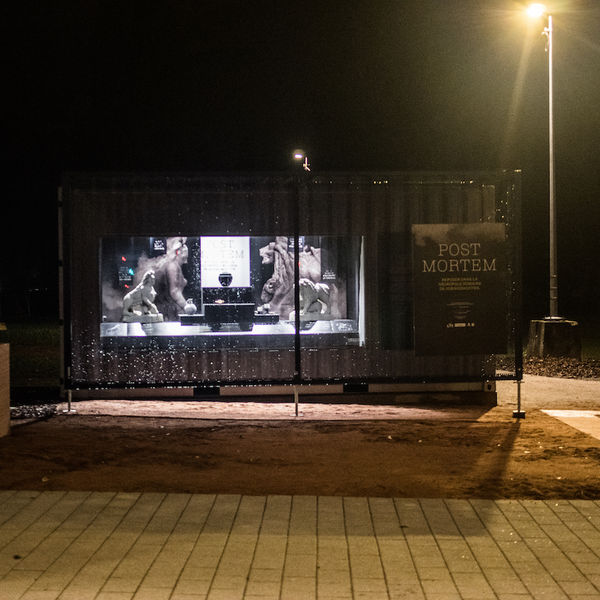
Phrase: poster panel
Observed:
(225, 254)
(460, 294)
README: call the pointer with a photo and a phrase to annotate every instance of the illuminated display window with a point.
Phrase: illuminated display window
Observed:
(197, 286)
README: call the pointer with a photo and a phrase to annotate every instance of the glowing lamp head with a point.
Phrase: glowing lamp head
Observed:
(535, 11)
(300, 158)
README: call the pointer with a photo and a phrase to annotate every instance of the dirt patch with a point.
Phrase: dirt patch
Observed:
(462, 452)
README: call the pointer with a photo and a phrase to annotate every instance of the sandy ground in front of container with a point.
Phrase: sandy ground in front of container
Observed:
(434, 447)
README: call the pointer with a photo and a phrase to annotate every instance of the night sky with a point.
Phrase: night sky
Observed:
(236, 85)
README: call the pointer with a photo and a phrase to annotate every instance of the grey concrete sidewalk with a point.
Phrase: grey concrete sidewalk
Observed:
(117, 546)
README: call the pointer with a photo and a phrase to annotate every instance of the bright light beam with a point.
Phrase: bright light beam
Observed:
(535, 11)
(516, 100)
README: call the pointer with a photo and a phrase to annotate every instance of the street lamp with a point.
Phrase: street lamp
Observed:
(554, 336)
(537, 11)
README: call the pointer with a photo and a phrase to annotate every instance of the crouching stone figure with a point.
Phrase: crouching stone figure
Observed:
(138, 304)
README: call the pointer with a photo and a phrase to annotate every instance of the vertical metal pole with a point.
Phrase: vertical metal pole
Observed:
(297, 347)
(519, 414)
(69, 410)
(61, 300)
(552, 185)
(296, 399)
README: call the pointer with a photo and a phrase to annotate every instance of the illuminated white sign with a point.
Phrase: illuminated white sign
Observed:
(219, 254)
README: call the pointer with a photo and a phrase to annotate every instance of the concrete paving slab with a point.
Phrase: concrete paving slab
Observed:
(587, 421)
(150, 546)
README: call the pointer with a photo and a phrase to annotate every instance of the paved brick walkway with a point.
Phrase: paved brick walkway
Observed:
(123, 546)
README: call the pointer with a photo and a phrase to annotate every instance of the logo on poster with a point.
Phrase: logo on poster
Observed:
(459, 258)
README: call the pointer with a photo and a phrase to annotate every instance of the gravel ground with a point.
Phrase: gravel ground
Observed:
(32, 411)
(570, 368)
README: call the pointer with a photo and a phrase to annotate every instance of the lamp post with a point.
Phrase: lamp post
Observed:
(554, 336)
(301, 168)
(536, 11)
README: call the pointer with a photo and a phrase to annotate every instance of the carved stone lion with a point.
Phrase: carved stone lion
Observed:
(138, 304)
(314, 297)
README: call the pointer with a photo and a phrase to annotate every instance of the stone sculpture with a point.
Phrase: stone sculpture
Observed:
(170, 280)
(138, 304)
(314, 298)
(190, 308)
(278, 290)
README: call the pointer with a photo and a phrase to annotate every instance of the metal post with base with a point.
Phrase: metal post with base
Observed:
(69, 410)
(519, 414)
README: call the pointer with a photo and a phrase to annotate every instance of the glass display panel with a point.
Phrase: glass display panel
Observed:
(220, 291)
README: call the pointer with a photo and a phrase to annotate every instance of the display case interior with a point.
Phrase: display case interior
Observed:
(206, 291)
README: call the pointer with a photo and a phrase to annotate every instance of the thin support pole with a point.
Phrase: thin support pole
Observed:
(297, 344)
(296, 400)
(69, 410)
(519, 414)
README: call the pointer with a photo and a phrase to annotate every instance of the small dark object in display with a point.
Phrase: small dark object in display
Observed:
(225, 279)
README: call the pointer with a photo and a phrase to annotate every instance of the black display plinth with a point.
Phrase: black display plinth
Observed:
(241, 313)
(554, 337)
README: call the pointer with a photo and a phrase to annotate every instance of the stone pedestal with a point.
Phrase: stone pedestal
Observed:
(4, 390)
(554, 337)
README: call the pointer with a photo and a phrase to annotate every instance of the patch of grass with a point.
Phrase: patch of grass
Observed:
(34, 354)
